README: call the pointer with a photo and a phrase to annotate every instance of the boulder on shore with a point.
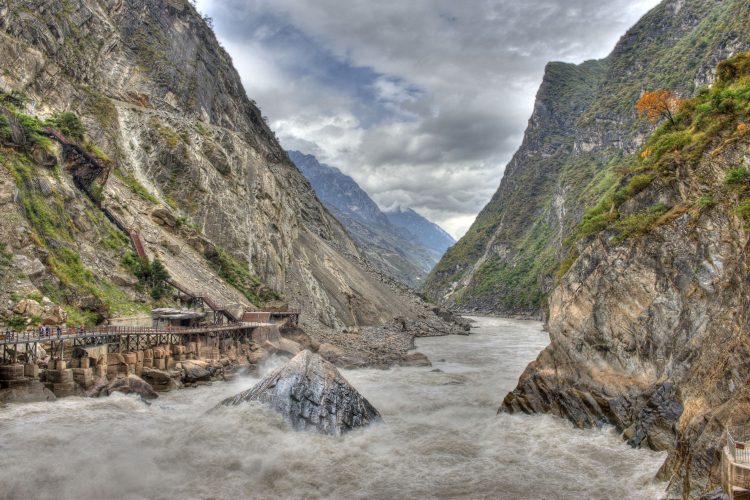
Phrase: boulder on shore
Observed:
(132, 384)
(311, 394)
(195, 371)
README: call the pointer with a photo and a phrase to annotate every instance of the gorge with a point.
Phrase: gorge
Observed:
(438, 437)
(156, 234)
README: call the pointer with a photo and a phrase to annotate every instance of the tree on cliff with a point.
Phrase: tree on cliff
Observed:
(658, 105)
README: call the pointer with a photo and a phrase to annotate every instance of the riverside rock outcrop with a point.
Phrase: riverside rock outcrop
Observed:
(130, 384)
(650, 326)
(311, 394)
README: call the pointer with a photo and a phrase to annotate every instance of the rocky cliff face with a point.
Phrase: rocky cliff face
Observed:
(402, 244)
(194, 168)
(649, 326)
(582, 126)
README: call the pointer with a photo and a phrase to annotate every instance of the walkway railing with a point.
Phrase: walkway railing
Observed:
(9, 338)
(740, 450)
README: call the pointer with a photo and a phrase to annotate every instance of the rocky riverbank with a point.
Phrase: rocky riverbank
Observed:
(649, 326)
(94, 372)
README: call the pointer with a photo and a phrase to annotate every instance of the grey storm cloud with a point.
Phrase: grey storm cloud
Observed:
(423, 102)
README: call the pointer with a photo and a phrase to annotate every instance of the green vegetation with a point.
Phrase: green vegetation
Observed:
(635, 185)
(152, 276)
(54, 231)
(238, 275)
(102, 109)
(96, 191)
(638, 223)
(32, 128)
(5, 130)
(130, 181)
(716, 114)
(5, 257)
(615, 194)
(671, 60)
(519, 276)
(17, 323)
(13, 100)
(737, 175)
(96, 152)
(69, 124)
(714, 118)
(743, 210)
(165, 134)
(202, 129)
(706, 201)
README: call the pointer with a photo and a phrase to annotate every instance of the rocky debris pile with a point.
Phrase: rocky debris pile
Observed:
(298, 335)
(270, 340)
(458, 324)
(311, 394)
(45, 312)
(379, 346)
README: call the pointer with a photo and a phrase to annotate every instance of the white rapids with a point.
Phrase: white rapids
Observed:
(441, 438)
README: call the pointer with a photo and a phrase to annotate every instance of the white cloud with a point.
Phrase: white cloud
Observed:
(422, 102)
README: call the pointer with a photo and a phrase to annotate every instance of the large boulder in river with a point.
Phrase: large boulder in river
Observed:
(312, 395)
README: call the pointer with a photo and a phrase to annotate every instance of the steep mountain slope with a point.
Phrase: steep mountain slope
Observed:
(427, 233)
(583, 124)
(650, 325)
(403, 245)
(195, 170)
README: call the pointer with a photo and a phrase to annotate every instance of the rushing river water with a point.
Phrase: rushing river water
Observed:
(440, 439)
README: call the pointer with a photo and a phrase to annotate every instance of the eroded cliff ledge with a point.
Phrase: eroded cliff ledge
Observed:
(650, 326)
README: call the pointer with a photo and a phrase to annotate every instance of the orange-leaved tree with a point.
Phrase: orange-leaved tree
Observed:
(658, 105)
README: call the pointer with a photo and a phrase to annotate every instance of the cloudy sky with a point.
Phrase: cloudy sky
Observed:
(423, 102)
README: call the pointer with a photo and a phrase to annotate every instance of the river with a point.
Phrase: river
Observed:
(441, 438)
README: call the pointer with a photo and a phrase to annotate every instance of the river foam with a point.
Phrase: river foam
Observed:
(441, 438)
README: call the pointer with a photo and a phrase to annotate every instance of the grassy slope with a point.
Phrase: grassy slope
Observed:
(716, 118)
(665, 49)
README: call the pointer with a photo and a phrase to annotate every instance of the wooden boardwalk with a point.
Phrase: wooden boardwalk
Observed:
(119, 338)
(735, 468)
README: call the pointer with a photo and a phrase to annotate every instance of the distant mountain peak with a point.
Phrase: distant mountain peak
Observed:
(401, 242)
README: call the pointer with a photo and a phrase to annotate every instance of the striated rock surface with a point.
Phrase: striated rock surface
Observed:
(650, 325)
(311, 395)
